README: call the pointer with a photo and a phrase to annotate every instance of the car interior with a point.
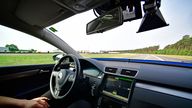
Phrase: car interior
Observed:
(103, 82)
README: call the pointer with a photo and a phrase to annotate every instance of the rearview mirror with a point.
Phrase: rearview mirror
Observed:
(109, 20)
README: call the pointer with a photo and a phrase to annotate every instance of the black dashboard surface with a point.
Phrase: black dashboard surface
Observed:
(155, 85)
(161, 74)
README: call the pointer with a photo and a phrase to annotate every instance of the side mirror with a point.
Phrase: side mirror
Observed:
(109, 20)
(57, 57)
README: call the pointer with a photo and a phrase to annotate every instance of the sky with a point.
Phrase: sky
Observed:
(177, 13)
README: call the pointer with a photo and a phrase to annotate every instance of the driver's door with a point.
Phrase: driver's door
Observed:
(25, 64)
(25, 81)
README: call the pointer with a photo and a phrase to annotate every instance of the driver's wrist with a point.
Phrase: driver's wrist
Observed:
(21, 103)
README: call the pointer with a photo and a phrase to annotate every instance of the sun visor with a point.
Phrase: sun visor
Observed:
(152, 20)
(41, 12)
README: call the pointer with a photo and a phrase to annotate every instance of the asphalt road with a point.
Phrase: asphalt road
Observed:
(160, 58)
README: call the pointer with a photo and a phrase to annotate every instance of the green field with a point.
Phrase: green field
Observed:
(27, 59)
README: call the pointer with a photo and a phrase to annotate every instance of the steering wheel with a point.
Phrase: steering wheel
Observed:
(64, 75)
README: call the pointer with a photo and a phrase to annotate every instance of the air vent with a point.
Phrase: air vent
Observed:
(110, 69)
(128, 72)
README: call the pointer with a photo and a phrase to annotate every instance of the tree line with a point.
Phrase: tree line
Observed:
(181, 47)
(150, 49)
(14, 49)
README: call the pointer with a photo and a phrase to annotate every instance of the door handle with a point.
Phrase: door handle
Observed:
(44, 71)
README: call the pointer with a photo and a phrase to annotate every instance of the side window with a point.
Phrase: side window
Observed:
(18, 48)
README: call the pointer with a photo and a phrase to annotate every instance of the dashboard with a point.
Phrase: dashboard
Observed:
(119, 84)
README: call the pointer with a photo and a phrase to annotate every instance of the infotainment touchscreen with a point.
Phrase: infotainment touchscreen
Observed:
(118, 87)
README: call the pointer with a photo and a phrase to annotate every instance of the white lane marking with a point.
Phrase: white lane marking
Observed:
(158, 58)
(146, 57)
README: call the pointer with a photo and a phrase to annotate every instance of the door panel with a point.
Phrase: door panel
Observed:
(25, 81)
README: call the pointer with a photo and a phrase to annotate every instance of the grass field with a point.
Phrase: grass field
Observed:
(26, 59)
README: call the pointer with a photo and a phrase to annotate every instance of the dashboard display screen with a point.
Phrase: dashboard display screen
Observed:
(91, 72)
(118, 87)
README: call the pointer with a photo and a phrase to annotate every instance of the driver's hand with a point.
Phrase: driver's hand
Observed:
(40, 102)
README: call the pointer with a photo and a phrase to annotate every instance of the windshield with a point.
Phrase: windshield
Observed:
(170, 43)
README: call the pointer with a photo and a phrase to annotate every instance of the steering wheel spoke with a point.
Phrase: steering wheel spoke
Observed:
(56, 92)
(57, 87)
(55, 74)
(71, 77)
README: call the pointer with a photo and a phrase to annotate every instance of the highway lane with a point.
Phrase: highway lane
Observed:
(156, 57)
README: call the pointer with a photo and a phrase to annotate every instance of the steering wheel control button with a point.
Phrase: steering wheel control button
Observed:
(60, 75)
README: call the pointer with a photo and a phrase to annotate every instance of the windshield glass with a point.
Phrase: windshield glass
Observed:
(170, 43)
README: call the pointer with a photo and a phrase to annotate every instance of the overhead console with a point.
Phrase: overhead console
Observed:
(117, 87)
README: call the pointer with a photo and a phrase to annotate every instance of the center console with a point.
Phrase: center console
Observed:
(116, 91)
(117, 87)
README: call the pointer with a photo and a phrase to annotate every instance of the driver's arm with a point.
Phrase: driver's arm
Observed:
(8, 102)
